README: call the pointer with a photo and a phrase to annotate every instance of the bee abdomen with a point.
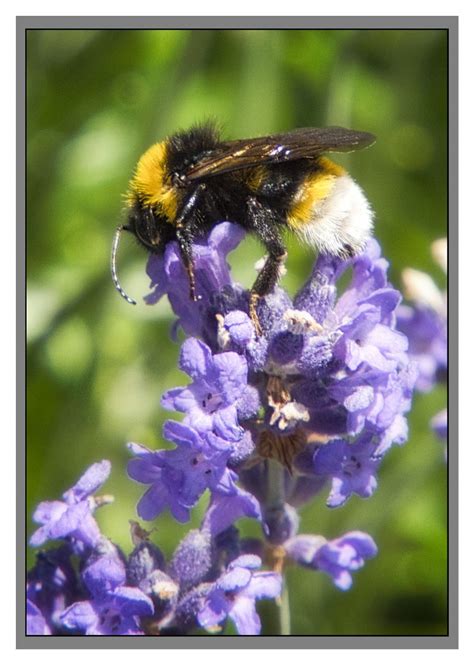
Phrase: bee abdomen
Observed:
(330, 212)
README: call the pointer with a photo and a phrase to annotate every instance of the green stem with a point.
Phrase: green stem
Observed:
(275, 485)
(284, 611)
(275, 500)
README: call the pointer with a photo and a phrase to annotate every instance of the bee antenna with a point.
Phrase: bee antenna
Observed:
(113, 270)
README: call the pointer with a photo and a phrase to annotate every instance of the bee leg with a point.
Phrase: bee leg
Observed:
(253, 301)
(265, 282)
(267, 279)
(184, 235)
(185, 249)
(265, 223)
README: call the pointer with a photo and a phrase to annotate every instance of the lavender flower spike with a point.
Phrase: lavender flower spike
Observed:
(425, 321)
(269, 420)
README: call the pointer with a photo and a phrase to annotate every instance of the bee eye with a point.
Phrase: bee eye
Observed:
(131, 223)
(146, 229)
(154, 235)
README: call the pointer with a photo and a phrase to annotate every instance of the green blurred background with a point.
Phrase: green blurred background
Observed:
(97, 366)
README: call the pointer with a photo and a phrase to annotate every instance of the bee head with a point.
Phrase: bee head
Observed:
(145, 224)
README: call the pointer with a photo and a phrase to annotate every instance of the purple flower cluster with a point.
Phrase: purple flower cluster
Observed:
(323, 391)
(425, 323)
(84, 588)
(338, 558)
(73, 517)
(268, 421)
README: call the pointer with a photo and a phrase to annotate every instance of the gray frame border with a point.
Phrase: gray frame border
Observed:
(449, 23)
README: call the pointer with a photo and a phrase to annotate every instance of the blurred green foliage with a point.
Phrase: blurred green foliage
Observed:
(97, 367)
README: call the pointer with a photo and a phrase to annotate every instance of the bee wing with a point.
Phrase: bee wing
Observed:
(305, 143)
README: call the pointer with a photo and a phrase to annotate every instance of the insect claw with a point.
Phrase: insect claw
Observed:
(192, 289)
(254, 298)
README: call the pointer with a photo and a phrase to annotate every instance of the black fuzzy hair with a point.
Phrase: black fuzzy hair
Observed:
(195, 142)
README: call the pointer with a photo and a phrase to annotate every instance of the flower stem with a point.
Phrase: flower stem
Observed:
(284, 611)
(275, 485)
(275, 501)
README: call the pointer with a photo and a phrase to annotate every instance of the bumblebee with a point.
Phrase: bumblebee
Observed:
(189, 182)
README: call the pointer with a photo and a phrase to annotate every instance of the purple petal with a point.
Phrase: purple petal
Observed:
(361, 542)
(245, 617)
(201, 421)
(131, 601)
(240, 328)
(327, 458)
(196, 359)
(386, 300)
(264, 585)
(396, 433)
(77, 521)
(389, 341)
(178, 399)
(139, 450)
(235, 579)
(35, 621)
(39, 537)
(181, 434)
(250, 561)
(226, 424)
(104, 574)
(214, 612)
(80, 616)
(342, 489)
(341, 556)
(356, 355)
(224, 510)
(89, 482)
(360, 398)
(343, 580)
(232, 377)
(144, 470)
(303, 548)
(225, 237)
(48, 511)
(153, 502)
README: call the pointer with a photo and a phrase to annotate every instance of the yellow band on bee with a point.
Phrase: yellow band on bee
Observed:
(151, 184)
(316, 187)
